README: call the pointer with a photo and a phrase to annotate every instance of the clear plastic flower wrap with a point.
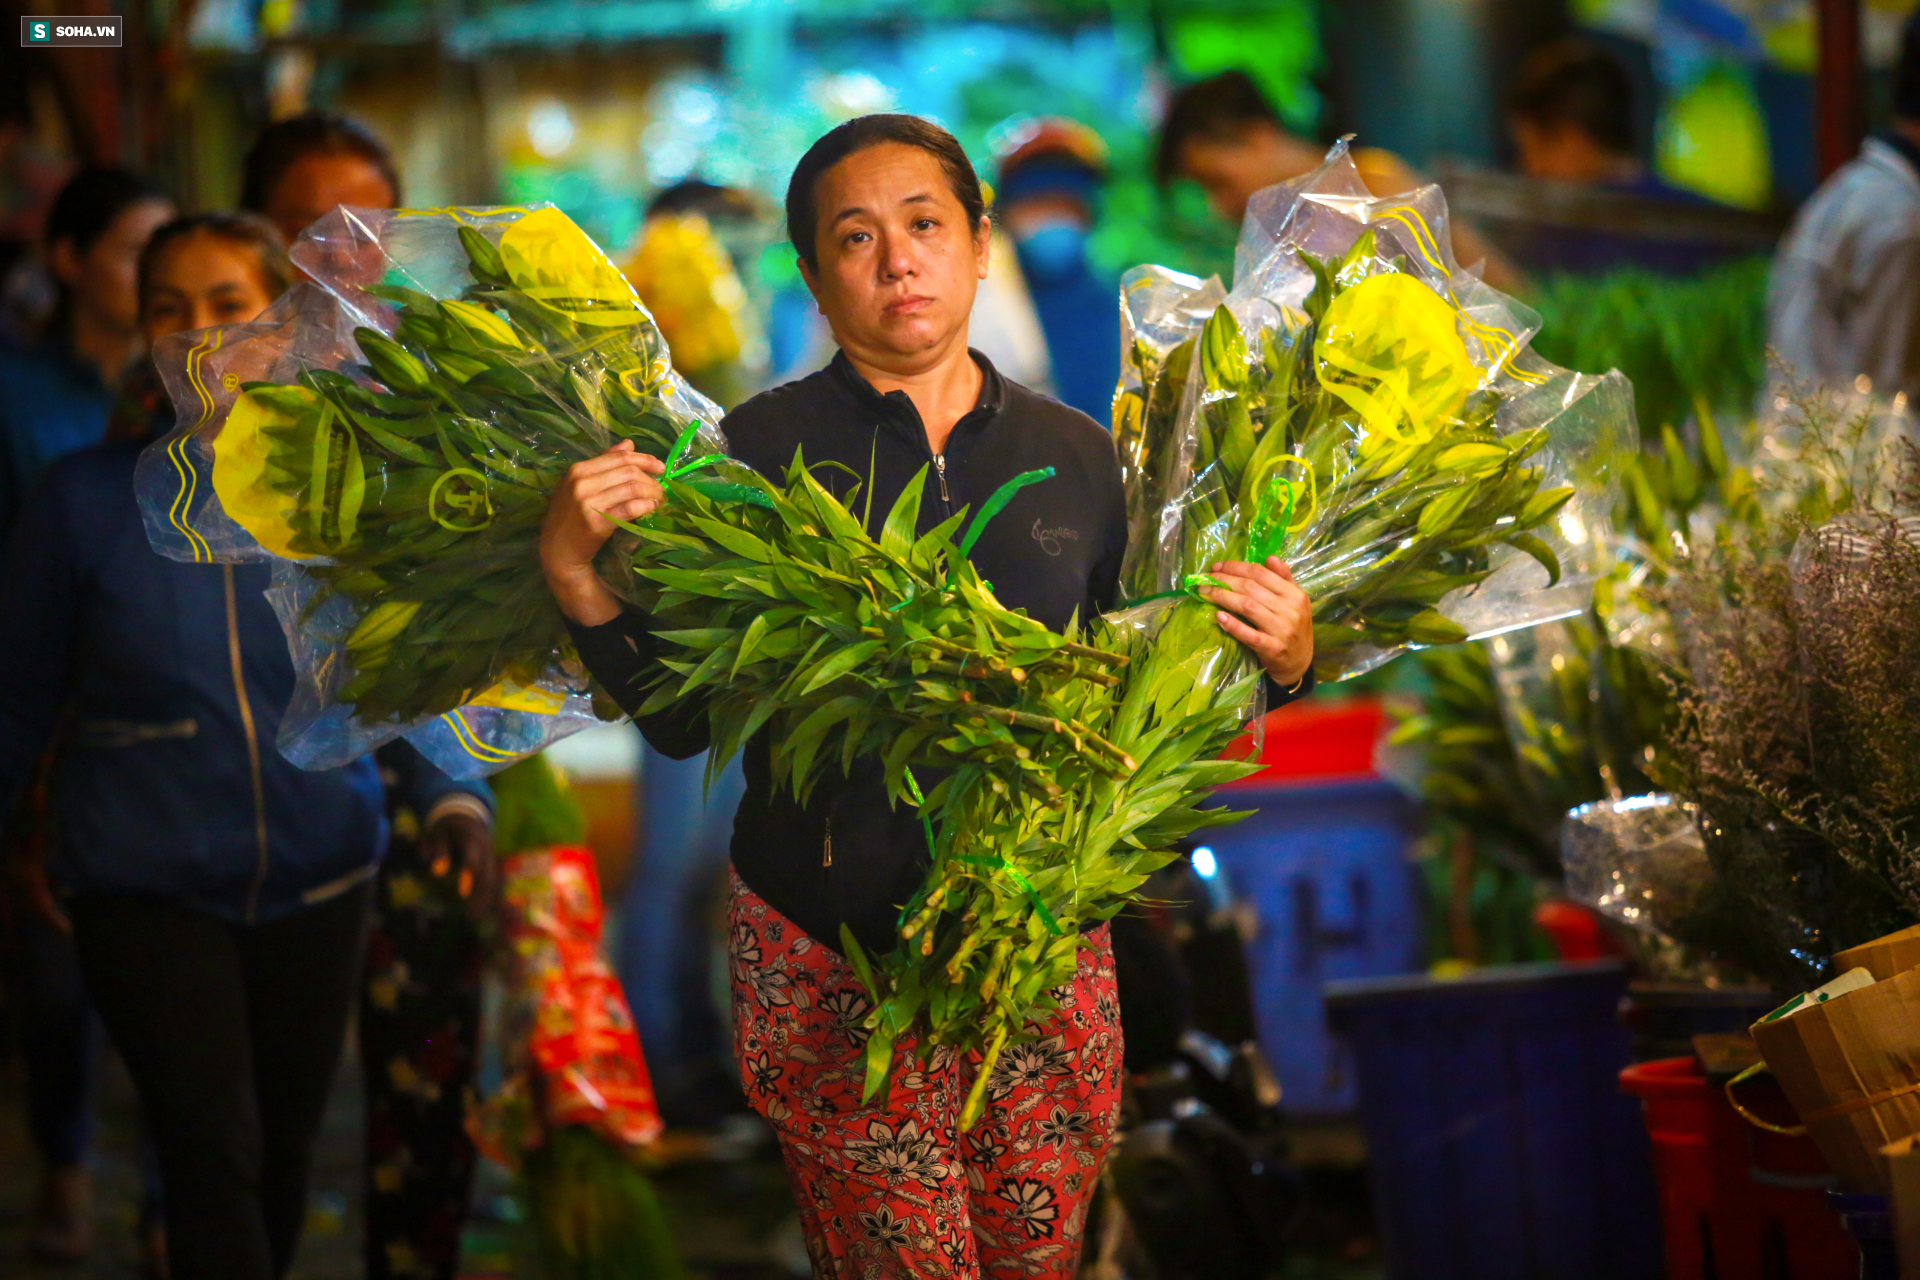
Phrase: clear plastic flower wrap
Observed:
(1543, 681)
(389, 435)
(1643, 861)
(1639, 860)
(1431, 479)
(1161, 315)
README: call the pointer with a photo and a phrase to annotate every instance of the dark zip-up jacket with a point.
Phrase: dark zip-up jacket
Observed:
(161, 685)
(1054, 551)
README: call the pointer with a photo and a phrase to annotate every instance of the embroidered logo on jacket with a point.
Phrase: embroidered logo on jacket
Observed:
(1050, 539)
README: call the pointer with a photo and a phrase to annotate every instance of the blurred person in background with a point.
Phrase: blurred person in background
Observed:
(217, 894)
(55, 392)
(419, 1016)
(1045, 190)
(1223, 134)
(33, 168)
(300, 168)
(688, 279)
(1843, 307)
(1571, 118)
(55, 395)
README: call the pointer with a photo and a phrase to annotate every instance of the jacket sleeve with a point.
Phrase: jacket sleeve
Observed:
(39, 600)
(417, 783)
(622, 655)
(1278, 697)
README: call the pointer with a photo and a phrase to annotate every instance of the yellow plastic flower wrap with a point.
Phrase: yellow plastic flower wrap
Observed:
(1364, 409)
(387, 436)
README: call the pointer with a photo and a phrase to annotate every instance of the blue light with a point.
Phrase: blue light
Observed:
(1204, 864)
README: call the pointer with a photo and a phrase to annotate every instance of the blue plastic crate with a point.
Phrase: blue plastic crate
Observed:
(1500, 1145)
(1325, 870)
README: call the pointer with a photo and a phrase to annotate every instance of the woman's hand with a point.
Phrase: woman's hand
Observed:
(463, 840)
(1275, 617)
(620, 484)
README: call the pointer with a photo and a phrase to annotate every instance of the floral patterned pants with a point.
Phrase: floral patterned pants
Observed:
(895, 1190)
(419, 1051)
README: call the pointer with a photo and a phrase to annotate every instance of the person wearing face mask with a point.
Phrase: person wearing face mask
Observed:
(889, 223)
(217, 895)
(1049, 175)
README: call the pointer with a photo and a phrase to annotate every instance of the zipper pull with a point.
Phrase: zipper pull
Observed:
(826, 850)
(940, 468)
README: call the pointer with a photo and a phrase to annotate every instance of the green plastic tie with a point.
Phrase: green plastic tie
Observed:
(679, 471)
(998, 503)
(999, 864)
(1020, 881)
(1266, 536)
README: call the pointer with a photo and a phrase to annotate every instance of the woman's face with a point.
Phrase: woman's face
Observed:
(319, 180)
(898, 261)
(202, 281)
(105, 280)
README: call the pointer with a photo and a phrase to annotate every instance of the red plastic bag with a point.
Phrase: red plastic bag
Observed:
(585, 1056)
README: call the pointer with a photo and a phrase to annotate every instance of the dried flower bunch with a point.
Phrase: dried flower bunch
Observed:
(1799, 734)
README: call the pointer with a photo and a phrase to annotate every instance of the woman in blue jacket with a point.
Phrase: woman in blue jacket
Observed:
(217, 893)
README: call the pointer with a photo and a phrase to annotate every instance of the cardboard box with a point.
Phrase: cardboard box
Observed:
(1902, 1159)
(1883, 957)
(1851, 1068)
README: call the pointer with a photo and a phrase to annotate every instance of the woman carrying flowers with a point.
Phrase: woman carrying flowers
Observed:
(888, 220)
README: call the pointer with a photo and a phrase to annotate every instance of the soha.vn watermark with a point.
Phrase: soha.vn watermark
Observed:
(53, 31)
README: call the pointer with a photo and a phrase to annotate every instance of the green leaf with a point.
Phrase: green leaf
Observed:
(835, 665)
(1440, 514)
(896, 537)
(857, 956)
(1543, 506)
(735, 539)
(1539, 551)
(879, 1067)
(756, 632)
(800, 745)
(353, 487)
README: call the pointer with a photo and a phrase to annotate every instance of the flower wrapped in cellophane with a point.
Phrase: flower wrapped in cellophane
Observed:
(1362, 408)
(389, 436)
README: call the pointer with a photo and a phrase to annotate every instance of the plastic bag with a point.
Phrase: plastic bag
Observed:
(1161, 315)
(1425, 476)
(1639, 860)
(389, 435)
(575, 1105)
(574, 1051)
(1544, 681)
(1645, 862)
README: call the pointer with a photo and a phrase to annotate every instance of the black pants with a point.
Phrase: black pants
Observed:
(231, 1034)
(59, 1038)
